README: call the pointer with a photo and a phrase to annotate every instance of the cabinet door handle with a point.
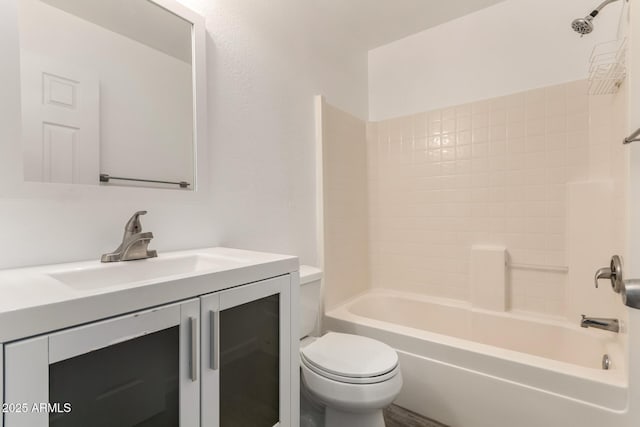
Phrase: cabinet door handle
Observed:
(193, 366)
(214, 334)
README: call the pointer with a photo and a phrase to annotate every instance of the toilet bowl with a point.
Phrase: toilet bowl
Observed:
(354, 378)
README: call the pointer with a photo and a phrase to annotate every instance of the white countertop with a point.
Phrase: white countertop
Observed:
(33, 301)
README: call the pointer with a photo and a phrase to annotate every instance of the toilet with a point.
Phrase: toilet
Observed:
(352, 377)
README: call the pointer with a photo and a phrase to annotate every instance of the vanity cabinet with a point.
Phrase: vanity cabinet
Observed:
(246, 355)
(218, 360)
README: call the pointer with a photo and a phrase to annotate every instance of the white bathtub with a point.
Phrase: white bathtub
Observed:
(476, 368)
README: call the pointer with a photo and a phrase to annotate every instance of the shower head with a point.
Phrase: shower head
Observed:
(584, 25)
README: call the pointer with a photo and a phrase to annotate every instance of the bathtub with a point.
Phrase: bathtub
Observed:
(475, 368)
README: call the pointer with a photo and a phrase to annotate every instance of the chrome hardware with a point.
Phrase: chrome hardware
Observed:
(104, 177)
(613, 273)
(628, 289)
(584, 25)
(606, 362)
(134, 243)
(193, 364)
(600, 323)
(213, 340)
(631, 293)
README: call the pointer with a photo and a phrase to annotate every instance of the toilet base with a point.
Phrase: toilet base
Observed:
(334, 418)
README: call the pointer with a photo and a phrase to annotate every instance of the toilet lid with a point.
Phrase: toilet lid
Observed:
(350, 355)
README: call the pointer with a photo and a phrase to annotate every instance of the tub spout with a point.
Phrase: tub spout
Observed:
(606, 324)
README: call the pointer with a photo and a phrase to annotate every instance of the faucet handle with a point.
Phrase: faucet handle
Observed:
(613, 273)
(134, 225)
(602, 273)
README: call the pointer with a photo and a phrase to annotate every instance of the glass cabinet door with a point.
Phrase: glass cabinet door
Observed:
(246, 347)
(250, 364)
(133, 383)
(138, 370)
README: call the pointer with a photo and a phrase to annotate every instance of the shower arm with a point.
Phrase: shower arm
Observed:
(597, 10)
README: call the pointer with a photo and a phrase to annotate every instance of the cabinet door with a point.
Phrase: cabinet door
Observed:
(247, 380)
(135, 370)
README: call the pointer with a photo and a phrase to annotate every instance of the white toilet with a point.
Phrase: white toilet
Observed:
(354, 378)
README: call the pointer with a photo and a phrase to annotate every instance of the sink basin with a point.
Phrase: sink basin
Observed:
(123, 273)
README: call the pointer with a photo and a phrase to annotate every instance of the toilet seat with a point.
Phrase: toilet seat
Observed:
(350, 359)
(350, 380)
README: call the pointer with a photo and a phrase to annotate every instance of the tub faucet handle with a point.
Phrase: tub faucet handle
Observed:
(628, 289)
(613, 273)
(602, 273)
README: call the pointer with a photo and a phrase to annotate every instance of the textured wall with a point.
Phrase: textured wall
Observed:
(265, 67)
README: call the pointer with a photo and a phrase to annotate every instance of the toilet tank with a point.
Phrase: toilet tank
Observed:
(310, 279)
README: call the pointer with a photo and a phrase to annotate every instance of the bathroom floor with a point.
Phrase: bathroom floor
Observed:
(396, 416)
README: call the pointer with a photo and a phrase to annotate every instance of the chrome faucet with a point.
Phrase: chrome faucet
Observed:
(594, 322)
(134, 242)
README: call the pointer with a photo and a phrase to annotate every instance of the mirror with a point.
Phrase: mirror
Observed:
(107, 93)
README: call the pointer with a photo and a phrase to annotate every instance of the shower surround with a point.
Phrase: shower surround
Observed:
(519, 172)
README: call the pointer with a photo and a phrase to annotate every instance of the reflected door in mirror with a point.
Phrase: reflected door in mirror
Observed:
(60, 118)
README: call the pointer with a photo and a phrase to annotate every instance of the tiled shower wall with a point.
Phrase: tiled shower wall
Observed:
(493, 172)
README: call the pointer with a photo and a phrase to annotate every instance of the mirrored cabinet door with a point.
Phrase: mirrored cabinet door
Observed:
(248, 356)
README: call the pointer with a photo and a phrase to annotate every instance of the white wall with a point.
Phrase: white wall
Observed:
(264, 69)
(513, 46)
